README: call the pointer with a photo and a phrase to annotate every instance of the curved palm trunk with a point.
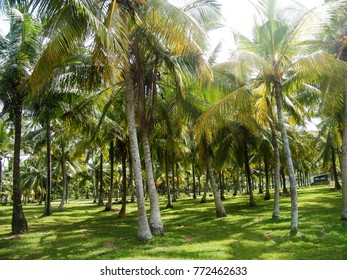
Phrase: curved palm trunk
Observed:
(19, 223)
(276, 209)
(143, 232)
(155, 221)
(63, 169)
(344, 158)
(220, 211)
(122, 211)
(108, 206)
(288, 158)
(48, 209)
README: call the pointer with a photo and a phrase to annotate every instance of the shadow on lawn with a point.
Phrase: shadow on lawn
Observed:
(87, 232)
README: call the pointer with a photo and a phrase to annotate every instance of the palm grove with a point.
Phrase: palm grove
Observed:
(116, 99)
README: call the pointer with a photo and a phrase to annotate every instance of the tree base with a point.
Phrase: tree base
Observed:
(169, 205)
(293, 231)
(108, 207)
(20, 226)
(145, 237)
(221, 214)
(157, 230)
(275, 216)
(343, 218)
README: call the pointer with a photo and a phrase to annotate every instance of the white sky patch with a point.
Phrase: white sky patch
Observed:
(240, 14)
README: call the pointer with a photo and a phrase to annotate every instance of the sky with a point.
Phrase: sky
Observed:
(239, 14)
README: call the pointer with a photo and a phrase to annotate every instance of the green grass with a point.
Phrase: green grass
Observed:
(85, 231)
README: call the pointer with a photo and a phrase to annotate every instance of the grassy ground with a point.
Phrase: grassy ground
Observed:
(84, 231)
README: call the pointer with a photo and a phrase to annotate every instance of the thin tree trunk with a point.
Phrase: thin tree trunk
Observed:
(248, 173)
(19, 223)
(101, 181)
(267, 180)
(64, 181)
(204, 196)
(260, 179)
(221, 182)
(178, 181)
(344, 157)
(288, 158)
(48, 209)
(277, 166)
(194, 185)
(155, 221)
(96, 183)
(199, 183)
(108, 206)
(169, 202)
(174, 198)
(333, 159)
(122, 211)
(143, 232)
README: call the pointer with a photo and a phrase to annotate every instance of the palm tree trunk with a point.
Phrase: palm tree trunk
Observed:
(333, 159)
(285, 190)
(169, 201)
(108, 206)
(63, 170)
(288, 158)
(143, 231)
(19, 223)
(204, 196)
(174, 198)
(344, 157)
(48, 209)
(267, 181)
(122, 211)
(194, 185)
(155, 221)
(131, 183)
(248, 173)
(178, 181)
(277, 166)
(220, 211)
(101, 190)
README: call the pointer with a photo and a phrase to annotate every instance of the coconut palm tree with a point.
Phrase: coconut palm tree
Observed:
(335, 41)
(276, 56)
(20, 54)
